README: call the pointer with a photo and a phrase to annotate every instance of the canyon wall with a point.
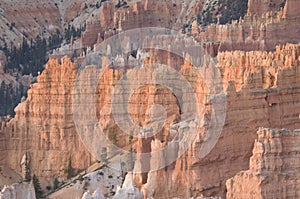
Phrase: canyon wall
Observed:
(262, 90)
(262, 28)
(43, 126)
(259, 7)
(257, 31)
(273, 168)
(148, 13)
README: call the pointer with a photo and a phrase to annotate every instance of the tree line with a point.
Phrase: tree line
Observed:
(29, 58)
(10, 97)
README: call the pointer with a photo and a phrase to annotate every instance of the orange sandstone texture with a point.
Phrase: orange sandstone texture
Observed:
(262, 90)
(44, 127)
(273, 169)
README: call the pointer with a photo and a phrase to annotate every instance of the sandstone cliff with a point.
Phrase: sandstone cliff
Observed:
(43, 126)
(273, 169)
(256, 96)
(138, 14)
(262, 90)
(257, 31)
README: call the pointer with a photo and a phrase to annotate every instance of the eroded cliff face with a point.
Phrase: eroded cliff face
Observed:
(262, 90)
(44, 127)
(261, 30)
(138, 14)
(273, 168)
(259, 7)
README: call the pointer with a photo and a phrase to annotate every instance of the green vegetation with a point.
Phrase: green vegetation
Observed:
(226, 10)
(29, 58)
(71, 31)
(70, 169)
(10, 97)
(37, 187)
(55, 184)
(121, 3)
(282, 4)
(27, 171)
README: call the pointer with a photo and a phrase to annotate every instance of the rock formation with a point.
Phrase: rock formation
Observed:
(261, 84)
(148, 13)
(257, 31)
(18, 191)
(259, 7)
(273, 169)
(43, 126)
(262, 90)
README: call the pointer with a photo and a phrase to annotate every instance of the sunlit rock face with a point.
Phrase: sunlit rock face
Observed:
(267, 81)
(261, 84)
(273, 168)
(44, 127)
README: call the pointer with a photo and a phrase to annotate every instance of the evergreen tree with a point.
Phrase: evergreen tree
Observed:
(55, 184)
(27, 170)
(37, 187)
(70, 169)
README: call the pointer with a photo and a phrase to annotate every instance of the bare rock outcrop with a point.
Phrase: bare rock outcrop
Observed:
(273, 169)
(259, 7)
(138, 14)
(43, 126)
(257, 31)
(262, 90)
(18, 191)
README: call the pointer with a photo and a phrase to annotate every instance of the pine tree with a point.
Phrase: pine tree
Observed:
(27, 170)
(55, 184)
(37, 187)
(70, 169)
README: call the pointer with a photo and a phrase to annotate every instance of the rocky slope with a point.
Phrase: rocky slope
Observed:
(273, 168)
(28, 19)
(257, 31)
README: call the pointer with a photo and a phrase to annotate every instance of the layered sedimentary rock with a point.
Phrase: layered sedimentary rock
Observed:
(262, 90)
(257, 31)
(273, 169)
(43, 126)
(148, 13)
